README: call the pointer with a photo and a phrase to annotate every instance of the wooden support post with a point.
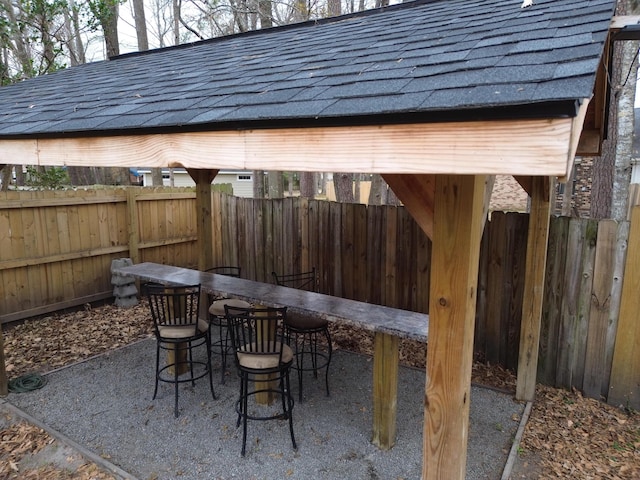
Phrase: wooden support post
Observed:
(204, 209)
(533, 287)
(386, 358)
(457, 233)
(204, 206)
(177, 356)
(264, 381)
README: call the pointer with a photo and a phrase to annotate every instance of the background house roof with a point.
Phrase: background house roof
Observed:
(417, 61)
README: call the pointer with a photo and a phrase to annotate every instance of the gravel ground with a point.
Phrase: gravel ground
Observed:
(104, 404)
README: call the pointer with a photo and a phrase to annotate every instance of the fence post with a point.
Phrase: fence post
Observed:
(132, 225)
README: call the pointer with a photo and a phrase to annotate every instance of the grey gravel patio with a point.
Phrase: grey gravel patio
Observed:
(105, 405)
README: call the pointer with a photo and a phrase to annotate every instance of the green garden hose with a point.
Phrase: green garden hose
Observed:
(26, 383)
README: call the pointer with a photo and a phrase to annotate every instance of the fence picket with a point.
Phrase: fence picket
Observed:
(595, 354)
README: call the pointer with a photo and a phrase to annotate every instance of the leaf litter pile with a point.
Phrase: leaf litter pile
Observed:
(566, 436)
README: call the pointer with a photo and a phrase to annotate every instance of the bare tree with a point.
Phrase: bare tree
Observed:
(265, 13)
(343, 186)
(105, 15)
(258, 184)
(74, 42)
(276, 184)
(378, 192)
(141, 25)
(334, 7)
(307, 184)
(5, 177)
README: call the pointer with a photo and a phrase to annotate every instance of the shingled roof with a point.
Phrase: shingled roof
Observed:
(417, 61)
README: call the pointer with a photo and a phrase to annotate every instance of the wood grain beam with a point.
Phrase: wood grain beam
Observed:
(522, 147)
(459, 203)
(417, 193)
(537, 241)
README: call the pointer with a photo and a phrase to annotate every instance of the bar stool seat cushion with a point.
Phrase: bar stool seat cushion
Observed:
(182, 331)
(217, 307)
(258, 361)
(305, 322)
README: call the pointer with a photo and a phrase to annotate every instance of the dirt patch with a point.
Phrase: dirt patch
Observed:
(567, 436)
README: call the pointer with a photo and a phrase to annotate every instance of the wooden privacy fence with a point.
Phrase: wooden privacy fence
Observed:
(56, 250)
(56, 247)
(376, 254)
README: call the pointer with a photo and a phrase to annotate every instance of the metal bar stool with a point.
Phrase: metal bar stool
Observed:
(218, 321)
(178, 331)
(306, 332)
(264, 361)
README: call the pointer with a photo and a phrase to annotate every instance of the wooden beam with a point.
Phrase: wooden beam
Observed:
(526, 183)
(574, 141)
(590, 144)
(512, 147)
(537, 241)
(204, 207)
(618, 22)
(417, 193)
(459, 202)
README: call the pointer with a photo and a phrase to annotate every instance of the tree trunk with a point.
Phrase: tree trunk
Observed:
(307, 184)
(74, 40)
(109, 24)
(77, 37)
(17, 42)
(156, 177)
(625, 129)
(265, 13)
(5, 177)
(343, 186)
(48, 48)
(117, 176)
(604, 167)
(602, 171)
(176, 22)
(141, 25)
(378, 192)
(81, 176)
(258, 184)
(276, 184)
(334, 8)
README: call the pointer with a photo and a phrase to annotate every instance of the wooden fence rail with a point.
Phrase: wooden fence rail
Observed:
(56, 250)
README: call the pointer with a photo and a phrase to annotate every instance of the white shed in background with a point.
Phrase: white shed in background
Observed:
(240, 180)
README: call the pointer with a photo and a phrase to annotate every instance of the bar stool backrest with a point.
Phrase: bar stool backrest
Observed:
(302, 281)
(174, 307)
(226, 270)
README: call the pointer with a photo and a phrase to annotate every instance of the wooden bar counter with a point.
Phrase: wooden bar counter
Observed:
(388, 325)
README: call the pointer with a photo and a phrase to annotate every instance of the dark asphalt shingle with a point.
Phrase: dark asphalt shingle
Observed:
(420, 57)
